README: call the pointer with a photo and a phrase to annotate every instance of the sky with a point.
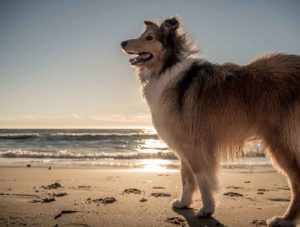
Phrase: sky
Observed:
(61, 65)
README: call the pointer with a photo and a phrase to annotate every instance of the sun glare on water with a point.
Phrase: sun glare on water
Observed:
(155, 165)
(154, 146)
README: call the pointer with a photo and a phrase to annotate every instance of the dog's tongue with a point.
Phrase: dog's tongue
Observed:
(140, 58)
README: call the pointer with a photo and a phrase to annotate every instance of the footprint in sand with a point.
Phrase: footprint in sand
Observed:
(262, 190)
(52, 186)
(132, 191)
(176, 220)
(44, 200)
(86, 187)
(233, 187)
(143, 200)
(65, 212)
(106, 200)
(259, 222)
(60, 194)
(51, 198)
(160, 194)
(158, 187)
(233, 194)
(282, 188)
(279, 199)
(48, 200)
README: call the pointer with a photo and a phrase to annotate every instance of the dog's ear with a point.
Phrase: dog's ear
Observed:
(150, 24)
(170, 24)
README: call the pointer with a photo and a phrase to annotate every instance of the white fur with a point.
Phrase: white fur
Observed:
(206, 187)
(153, 89)
(186, 197)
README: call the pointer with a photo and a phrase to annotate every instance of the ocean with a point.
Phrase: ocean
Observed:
(95, 148)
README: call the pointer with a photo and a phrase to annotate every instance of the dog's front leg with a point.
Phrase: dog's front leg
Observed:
(188, 187)
(207, 184)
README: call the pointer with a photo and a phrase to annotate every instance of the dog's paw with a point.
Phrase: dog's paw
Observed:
(205, 212)
(280, 222)
(179, 204)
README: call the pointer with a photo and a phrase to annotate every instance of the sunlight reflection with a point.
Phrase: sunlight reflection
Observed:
(150, 130)
(155, 165)
(153, 145)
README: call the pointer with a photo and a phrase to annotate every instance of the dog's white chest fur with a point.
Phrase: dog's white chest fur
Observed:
(153, 91)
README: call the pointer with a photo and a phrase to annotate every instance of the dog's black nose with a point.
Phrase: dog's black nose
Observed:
(124, 43)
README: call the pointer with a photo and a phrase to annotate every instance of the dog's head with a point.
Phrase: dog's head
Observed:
(159, 46)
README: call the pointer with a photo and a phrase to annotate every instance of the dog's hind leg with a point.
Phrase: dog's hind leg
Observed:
(290, 167)
(188, 187)
(293, 210)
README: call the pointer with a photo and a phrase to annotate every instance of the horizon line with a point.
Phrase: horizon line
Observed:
(133, 127)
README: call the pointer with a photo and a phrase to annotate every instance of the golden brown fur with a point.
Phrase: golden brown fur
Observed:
(236, 103)
(205, 112)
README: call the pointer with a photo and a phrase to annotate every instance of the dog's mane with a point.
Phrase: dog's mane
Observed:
(202, 74)
(178, 45)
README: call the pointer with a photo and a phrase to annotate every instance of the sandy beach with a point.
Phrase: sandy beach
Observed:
(117, 197)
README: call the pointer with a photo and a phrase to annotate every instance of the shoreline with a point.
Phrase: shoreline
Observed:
(145, 165)
(236, 169)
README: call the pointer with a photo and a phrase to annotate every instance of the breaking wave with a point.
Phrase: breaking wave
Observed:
(78, 136)
(63, 154)
(111, 147)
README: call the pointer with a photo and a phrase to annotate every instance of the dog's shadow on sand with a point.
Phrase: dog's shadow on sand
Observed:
(193, 221)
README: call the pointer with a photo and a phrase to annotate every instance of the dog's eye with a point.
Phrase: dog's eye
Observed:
(148, 38)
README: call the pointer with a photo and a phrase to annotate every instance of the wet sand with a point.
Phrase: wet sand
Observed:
(115, 197)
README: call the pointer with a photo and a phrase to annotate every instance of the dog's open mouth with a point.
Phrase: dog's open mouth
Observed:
(140, 58)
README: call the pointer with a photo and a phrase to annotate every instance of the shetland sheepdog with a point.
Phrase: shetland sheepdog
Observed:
(205, 112)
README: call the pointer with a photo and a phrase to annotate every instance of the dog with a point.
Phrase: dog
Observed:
(205, 112)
